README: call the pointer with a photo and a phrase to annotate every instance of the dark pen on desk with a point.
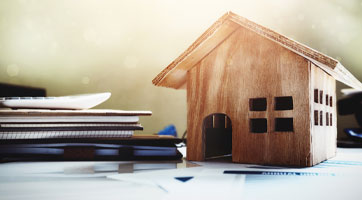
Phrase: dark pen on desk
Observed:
(277, 173)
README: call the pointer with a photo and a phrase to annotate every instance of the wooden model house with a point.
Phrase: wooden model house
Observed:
(257, 95)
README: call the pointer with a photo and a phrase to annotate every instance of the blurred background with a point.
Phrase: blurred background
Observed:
(87, 46)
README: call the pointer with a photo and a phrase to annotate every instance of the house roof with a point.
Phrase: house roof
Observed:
(174, 75)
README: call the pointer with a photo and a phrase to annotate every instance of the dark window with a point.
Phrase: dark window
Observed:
(321, 118)
(321, 97)
(327, 99)
(330, 120)
(330, 101)
(316, 95)
(284, 103)
(257, 104)
(258, 125)
(316, 117)
(327, 119)
(284, 124)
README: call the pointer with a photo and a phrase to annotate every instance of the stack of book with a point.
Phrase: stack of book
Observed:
(52, 124)
(41, 134)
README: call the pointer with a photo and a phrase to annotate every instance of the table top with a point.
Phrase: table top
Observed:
(337, 178)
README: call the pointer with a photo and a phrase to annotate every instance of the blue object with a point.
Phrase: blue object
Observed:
(354, 132)
(168, 130)
(184, 179)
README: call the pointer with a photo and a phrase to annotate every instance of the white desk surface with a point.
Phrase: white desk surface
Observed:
(338, 178)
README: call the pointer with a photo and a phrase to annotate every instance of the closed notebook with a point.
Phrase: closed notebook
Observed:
(68, 127)
(151, 147)
(71, 116)
(39, 131)
(52, 124)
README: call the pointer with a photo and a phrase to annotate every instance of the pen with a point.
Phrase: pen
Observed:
(281, 173)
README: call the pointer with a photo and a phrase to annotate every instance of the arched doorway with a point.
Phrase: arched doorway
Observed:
(217, 134)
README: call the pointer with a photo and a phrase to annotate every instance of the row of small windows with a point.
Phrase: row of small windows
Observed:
(281, 103)
(318, 98)
(318, 118)
(260, 125)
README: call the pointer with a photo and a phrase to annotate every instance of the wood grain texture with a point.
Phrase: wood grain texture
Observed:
(341, 74)
(324, 135)
(285, 41)
(247, 66)
(174, 75)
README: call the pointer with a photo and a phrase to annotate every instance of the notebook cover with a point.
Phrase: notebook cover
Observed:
(145, 140)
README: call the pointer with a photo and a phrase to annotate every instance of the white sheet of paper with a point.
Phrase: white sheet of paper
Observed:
(203, 184)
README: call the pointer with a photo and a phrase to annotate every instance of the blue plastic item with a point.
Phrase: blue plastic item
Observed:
(168, 130)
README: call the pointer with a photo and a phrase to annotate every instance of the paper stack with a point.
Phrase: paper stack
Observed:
(53, 124)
